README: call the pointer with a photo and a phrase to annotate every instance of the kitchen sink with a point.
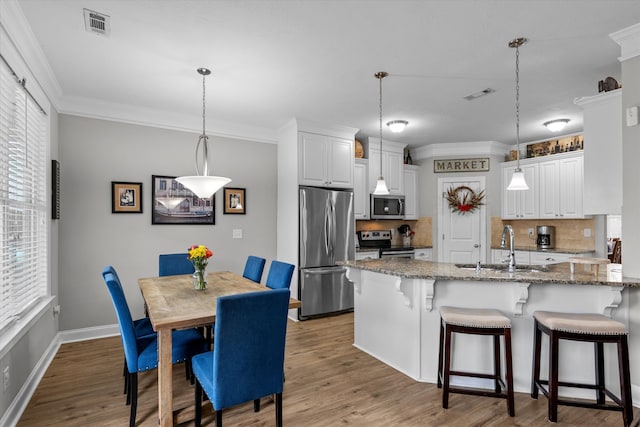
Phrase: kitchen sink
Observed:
(504, 268)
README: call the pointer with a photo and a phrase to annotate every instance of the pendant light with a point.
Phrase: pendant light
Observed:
(203, 185)
(517, 180)
(381, 186)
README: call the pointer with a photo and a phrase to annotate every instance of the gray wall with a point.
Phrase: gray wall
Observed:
(93, 153)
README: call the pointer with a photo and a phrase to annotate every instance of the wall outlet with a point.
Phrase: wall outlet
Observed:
(587, 232)
(237, 233)
(5, 378)
(531, 232)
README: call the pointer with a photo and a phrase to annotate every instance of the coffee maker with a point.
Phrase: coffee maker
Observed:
(546, 237)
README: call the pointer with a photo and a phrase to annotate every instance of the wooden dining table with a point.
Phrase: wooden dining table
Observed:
(173, 303)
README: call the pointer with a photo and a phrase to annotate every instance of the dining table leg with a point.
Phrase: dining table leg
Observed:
(165, 378)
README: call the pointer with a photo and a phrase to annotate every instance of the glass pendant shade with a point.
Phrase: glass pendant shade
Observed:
(203, 186)
(517, 181)
(381, 187)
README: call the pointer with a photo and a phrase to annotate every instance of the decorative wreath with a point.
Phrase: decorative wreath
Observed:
(463, 199)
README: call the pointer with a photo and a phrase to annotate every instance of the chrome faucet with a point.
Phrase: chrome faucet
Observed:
(512, 244)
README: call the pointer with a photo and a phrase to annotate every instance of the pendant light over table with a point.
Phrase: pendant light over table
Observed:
(517, 180)
(381, 186)
(203, 185)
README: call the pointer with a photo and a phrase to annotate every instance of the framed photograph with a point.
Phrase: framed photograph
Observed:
(235, 201)
(173, 203)
(126, 197)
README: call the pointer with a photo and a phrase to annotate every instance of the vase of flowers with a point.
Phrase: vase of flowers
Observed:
(199, 256)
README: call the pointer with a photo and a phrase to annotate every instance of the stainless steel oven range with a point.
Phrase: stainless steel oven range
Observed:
(381, 240)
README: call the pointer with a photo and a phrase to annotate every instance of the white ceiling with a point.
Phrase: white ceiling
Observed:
(274, 60)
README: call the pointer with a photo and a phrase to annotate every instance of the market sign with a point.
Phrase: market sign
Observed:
(461, 165)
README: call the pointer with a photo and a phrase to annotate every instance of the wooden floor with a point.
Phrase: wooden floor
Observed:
(328, 383)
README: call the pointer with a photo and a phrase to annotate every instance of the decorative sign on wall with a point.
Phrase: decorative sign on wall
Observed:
(461, 165)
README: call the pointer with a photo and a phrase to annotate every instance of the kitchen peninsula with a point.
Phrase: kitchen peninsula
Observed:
(396, 313)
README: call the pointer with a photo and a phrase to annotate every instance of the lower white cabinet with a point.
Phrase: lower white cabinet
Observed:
(534, 257)
(424, 254)
(361, 255)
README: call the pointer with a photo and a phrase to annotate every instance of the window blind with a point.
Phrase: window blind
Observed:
(23, 201)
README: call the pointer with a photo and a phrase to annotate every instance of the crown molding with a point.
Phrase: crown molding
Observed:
(629, 41)
(35, 66)
(123, 113)
(478, 148)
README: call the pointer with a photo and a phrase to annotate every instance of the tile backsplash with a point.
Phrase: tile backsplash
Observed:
(569, 232)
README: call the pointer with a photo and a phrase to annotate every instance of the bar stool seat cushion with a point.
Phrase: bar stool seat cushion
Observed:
(580, 323)
(474, 317)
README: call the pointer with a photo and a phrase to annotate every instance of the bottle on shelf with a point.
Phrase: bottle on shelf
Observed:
(408, 160)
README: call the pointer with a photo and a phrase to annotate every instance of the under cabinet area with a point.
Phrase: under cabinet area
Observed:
(555, 188)
(325, 161)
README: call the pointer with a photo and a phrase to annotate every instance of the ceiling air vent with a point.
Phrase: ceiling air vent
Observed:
(97, 23)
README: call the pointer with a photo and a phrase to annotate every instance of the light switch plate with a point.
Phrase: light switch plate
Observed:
(237, 233)
(632, 116)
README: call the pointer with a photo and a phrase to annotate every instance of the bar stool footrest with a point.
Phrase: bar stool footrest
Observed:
(540, 384)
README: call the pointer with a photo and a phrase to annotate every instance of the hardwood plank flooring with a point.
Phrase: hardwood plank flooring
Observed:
(328, 383)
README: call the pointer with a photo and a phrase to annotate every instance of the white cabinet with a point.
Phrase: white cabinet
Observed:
(560, 187)
(361, 189)
(325, 161)
(520, 204)
(555, 188)
(545, 258)
(410, 192)
(361, 255)
(603, 124)
(392, 165)
(424, 254)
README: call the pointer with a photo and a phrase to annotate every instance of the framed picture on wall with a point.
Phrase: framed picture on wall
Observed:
(235, 201)
(173, 203)
(126, 197)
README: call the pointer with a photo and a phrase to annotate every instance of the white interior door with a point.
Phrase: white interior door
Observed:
(462, 236)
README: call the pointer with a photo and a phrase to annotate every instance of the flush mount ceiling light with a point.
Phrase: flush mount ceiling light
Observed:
(203, 185)
(397, 126)
(381, 186)
(517, 180)
(556, 125)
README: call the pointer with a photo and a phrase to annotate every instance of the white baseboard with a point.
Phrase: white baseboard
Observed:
(86, 334)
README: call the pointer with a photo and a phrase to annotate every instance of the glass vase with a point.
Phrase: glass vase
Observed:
(200, 279)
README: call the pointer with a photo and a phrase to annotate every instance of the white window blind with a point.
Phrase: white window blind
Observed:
(23, 206)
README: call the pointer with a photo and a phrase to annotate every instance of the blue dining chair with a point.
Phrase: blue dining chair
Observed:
(253, 268)
(280, 274)
(247, 361)
(174, 264)
(141, 353)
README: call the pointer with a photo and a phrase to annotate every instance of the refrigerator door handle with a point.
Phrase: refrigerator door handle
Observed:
(327, 229)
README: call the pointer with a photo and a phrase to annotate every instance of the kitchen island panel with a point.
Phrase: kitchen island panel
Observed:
(396, 320)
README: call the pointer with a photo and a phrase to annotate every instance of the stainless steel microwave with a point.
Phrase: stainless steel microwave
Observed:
(387, 207)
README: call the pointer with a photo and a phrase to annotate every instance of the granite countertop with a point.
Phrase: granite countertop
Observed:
(551, 274)
(555, 250)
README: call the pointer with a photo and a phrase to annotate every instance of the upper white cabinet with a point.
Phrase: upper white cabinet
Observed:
(361, 189)
(520, 204)
(325, 161)
(561, 183)
(602, 152)
(392, 165)
(555, 188)
(410, 192)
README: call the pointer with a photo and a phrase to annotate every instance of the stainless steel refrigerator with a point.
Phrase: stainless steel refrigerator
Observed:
(326, 232)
